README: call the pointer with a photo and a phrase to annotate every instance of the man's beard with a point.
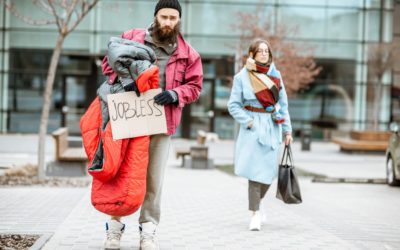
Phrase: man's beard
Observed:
(166, 34)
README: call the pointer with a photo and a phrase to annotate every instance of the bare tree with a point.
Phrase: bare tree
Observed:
(381, 59)
(66, 15)
(295, 63)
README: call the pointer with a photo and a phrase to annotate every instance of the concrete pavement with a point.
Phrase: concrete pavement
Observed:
(207, 209)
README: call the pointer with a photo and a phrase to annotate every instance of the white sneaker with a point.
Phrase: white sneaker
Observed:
(255, 222)
(114, 230)
(148, 237)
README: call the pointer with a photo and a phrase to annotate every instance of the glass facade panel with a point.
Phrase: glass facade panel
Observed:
(303, 2)
(26, 7)
(224, 124)
(329, 101)
(33, 61)
(27, 79)
(328, 3)
(86, 23)
(374, 3)
(305, 20)
(75, 101)
(125, 15)
(382, 108)
(321, 23)
(343, 24)
(201, 23)
(37, 39)
(1, 15)
(334, 50)
(24, 122)
(213, 45)
(388, 26)
(372, 27)
(200, 111)
(346, 3)
(25, 100)
(230, 2)
(45, 40)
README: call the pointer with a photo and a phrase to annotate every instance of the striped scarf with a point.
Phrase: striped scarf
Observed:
(265, 87)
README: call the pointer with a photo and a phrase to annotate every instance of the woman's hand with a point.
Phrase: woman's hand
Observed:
(250, 125)
(288, 139)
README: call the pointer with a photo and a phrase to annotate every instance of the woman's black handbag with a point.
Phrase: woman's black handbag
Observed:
(288, 186)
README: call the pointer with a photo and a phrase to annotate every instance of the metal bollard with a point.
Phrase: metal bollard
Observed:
(306, 140)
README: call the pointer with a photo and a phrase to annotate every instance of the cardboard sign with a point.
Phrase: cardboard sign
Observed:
(133, 116)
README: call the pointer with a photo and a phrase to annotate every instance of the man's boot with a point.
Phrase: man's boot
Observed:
(114, 230)
(148, 237)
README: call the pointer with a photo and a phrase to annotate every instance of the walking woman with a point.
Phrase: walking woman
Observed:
(258, 102)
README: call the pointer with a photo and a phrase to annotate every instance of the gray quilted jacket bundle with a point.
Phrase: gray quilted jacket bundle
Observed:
(124, 54)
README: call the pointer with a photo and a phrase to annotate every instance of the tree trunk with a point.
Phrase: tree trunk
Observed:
(377, 99)
(46, 105)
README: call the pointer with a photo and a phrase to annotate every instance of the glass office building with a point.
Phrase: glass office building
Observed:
(340, 31)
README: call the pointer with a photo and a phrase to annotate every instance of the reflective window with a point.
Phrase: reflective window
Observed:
(27, 78)
(377, 3)
(321, 23)
(372, 25)
(343, 24)
(303, 2)
(129, 15)
(328, 102)
(330, 3)
(346, 3)
(202, 23)
(228, 2)
(213, 45)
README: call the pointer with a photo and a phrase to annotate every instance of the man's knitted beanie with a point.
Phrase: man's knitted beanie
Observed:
(173, 4)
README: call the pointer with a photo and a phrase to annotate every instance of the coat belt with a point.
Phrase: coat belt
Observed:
(258, 110)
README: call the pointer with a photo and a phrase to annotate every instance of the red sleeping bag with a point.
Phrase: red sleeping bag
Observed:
(119, 187)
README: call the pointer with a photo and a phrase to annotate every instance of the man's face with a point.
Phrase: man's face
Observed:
(167, 24)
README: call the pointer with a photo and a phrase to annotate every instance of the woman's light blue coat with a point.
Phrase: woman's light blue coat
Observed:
(256, 150)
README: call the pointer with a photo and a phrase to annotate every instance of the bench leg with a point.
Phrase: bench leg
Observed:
(183, 161)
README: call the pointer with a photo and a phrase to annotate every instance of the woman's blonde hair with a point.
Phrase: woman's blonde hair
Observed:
(253, 48)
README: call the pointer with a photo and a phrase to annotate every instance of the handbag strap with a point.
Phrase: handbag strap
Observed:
(290, 154)
(287, 152)
(285, 155)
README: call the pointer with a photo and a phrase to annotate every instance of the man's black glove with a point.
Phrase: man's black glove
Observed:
(132, 87)
(164, 98)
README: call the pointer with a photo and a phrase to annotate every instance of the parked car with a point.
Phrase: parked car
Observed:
(393, 157)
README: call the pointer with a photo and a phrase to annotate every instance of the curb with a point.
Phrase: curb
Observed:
(350, 180)
(39, 243)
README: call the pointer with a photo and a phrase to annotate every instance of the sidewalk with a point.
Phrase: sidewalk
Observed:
(197, 215)
(207, 209)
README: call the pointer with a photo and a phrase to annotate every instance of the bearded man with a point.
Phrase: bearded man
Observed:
(181, 79)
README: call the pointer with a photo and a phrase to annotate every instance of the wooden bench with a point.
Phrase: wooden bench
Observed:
(198, 153)
(366, 141)
(65, 153)
(182, 152)
(349, 145)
